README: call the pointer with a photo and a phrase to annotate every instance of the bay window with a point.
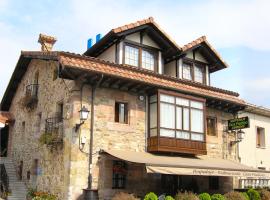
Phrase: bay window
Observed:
(140, 57)
(179, 116)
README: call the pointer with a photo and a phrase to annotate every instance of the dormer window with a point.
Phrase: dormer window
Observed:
(193, 72)
(131, 56)
(187, 71)
(140, 57)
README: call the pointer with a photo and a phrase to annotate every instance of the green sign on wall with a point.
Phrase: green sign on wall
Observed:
(238, 123)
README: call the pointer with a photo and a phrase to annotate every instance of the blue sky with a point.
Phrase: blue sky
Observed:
(239, 30)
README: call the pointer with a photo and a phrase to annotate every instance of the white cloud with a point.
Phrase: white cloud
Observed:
(226, 23)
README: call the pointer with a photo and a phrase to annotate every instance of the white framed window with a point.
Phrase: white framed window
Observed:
(179, 117)
(198, 74)
(148, 60)
(131, 56)
(187, 71)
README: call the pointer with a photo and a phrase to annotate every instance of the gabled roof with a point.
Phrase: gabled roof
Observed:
(152, 28)
(94, 65)
(173, 49)
(202, 42)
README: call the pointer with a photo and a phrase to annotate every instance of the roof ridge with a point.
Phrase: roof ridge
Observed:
(137, 23)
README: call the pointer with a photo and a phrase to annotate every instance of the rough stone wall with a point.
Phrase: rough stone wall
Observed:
(107, 134)
(24, 144)
(219, 146)
(65, 171)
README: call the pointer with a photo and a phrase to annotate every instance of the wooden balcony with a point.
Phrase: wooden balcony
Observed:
(174, 145)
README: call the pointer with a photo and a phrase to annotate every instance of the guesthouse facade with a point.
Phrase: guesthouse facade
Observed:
(135, 113)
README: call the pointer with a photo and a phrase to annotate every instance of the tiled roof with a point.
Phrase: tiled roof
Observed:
(203, 40)
(145, 76)
(95, 65)
(186, 47)
(149, 20)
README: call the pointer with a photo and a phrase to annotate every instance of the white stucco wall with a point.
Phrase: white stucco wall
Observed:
(170, 68)
(249, 153)
(108, 54)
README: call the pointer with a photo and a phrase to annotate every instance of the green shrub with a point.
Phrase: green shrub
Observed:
(204, 196)
(245, 195)
(124, 196)
(151, 196)
(186, 196)
(31, 193)
(265, 195)
(217, 197)
(169, 198)
(253, 194)
(234, 196)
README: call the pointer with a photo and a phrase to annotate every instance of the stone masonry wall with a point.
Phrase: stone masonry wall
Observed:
(24, 134)
(65, 171)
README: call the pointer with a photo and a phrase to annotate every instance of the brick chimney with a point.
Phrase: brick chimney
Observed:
(46, 42)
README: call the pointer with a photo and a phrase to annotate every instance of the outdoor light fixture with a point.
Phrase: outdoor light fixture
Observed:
(239, 136)
(83, 116)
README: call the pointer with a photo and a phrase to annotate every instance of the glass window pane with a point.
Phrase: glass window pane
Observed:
(167, 98)
(179, 117)
(122, 113)
(196, 137)
(197, 120)
(182, 102)
(167, 133)
(182, 135)
(153, 132)
(198, 74)
(153, 115)
(167, 115)
(148, 60)
(186, 119)
(196, 104)
(187, 71)
(131, 56)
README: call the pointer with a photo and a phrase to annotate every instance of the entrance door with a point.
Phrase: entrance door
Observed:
(4, 141)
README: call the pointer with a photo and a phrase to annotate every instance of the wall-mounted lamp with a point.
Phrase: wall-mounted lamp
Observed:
(240, 134)
(83, 116)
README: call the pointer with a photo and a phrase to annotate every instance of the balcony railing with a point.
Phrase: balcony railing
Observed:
(4, 180)
(54, 128)
(32, 90)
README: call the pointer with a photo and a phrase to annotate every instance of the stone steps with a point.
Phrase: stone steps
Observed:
(17, 187)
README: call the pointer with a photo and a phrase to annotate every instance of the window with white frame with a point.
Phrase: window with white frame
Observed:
(179, 117)
(198, 74)
(131, 56)
(148, 60)
(187, 71)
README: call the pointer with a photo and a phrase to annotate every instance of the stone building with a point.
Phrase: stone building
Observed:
(155, 123)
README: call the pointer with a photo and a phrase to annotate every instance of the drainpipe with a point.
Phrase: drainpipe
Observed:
(89, 193)
(146, 121)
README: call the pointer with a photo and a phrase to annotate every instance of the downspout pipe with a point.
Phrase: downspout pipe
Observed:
(89, 193)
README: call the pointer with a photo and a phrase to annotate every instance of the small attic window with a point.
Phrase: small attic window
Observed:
(140, 57)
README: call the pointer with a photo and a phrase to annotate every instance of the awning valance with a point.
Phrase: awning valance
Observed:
(201, 166)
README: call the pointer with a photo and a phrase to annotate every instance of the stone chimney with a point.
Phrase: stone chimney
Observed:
(46, 42)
